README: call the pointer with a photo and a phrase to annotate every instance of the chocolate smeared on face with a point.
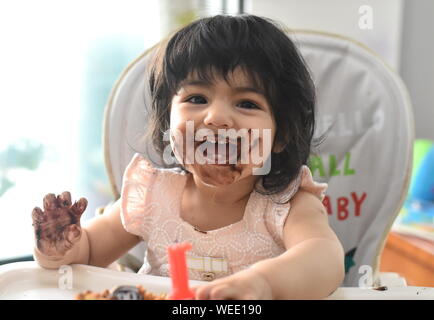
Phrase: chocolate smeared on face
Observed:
(219, 158)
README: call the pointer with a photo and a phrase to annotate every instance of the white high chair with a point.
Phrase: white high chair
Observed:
(365, 158)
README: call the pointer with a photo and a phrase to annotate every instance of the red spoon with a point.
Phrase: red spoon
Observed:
(178, 272)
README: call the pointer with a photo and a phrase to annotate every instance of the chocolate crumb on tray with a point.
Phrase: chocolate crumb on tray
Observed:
(381, 288)
(121, 293)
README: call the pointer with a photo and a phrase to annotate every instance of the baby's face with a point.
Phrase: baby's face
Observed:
(202, 112)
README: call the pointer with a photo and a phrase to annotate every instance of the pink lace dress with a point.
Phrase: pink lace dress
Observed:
(150, 208)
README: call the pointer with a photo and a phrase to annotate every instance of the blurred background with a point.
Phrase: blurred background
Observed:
(60, 59)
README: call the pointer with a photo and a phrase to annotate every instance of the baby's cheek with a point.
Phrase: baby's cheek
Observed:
(177, 145)
(266, 141)
(260, 155)
(182, 140)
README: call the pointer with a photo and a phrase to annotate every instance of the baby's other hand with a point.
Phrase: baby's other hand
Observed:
(244, 285)
(57, 228)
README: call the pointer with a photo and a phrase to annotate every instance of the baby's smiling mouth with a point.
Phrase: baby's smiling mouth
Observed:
(220, 151)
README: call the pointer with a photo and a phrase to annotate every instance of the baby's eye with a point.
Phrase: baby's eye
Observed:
(196, 100)
(248, 105)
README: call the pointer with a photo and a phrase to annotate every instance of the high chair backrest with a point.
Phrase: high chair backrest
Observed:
(365, 113)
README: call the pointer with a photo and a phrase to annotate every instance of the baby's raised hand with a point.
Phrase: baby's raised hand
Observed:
(244, 285)
(57, 228)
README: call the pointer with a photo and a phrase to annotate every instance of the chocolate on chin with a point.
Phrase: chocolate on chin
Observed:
(121, 293)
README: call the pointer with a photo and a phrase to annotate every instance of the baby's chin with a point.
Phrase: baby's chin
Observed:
(218, 176)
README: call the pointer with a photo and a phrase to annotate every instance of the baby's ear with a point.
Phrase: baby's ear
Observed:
(278, 147)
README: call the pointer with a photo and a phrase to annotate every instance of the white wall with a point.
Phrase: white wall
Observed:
(341, 17)
(417, 62)
(402, 34)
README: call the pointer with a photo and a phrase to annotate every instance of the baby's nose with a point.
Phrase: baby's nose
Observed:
(219, 115)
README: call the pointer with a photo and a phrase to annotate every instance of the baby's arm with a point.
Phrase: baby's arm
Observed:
(100, 242)
(108, 239)
(313, 265)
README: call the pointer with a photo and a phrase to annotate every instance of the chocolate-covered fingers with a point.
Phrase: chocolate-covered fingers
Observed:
(50, 202)
(79, 207)
(64, 199)
(37, 216)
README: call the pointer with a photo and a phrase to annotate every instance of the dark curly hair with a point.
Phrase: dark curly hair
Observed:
(265, 52)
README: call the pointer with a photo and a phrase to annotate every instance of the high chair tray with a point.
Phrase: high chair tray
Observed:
(27, 280)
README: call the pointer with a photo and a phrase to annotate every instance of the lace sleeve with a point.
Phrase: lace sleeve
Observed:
(280, 204)
(138, 179)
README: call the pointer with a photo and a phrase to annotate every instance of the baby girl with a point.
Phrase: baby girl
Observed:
(239, 104)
